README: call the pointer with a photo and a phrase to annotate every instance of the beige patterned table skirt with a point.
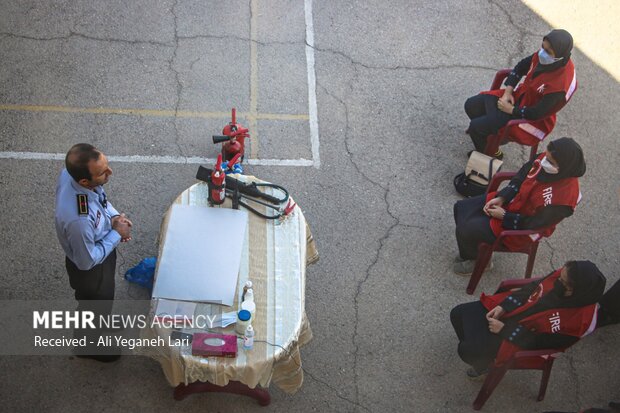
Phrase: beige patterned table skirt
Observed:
(274, 258)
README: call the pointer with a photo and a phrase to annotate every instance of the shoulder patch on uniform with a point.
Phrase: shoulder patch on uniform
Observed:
(82, 204)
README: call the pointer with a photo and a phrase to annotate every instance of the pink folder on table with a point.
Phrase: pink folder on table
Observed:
(219, 345)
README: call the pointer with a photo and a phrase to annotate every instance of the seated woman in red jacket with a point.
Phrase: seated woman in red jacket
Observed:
(542, 193)
(552, 313)
(549, 83)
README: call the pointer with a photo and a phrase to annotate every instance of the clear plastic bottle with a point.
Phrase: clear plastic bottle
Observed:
(248, 303)
(249, 306)
(248, 338)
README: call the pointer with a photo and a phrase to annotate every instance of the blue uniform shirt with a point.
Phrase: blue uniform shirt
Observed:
(83, 223)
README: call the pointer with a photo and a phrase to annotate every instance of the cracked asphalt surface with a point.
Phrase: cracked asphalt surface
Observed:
(392, 78)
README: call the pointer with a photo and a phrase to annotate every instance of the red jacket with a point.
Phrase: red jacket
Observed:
(576, 322)
(532, 196)
(530, 92)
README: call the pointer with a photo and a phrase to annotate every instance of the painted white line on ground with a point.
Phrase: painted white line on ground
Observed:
(279, 162)
(157, 159)
(312, 107)
(33, 156)
(254, 142)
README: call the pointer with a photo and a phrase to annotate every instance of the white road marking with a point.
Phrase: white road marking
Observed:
(312, 106)
(157, 159)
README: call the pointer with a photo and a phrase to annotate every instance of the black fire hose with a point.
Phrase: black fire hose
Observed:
(249, 191)
(204, 174)
(237, 200)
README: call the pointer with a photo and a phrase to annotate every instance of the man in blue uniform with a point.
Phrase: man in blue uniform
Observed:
(89, 229)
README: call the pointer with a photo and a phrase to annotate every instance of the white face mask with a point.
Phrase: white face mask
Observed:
(546, 165)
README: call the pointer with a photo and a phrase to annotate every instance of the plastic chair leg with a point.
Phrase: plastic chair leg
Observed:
(531, 257)
(490, 383)
(484, 256)
(545, 378)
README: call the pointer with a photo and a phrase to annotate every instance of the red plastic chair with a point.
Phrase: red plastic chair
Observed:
(485, 251)
(503, 135)
(521, 360)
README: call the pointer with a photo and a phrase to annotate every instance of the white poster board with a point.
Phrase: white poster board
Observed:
(201, 255)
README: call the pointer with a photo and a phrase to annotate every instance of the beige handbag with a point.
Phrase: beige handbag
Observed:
(480, 168)
(478, 173)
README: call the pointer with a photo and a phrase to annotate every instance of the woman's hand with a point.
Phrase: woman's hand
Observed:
(505, 105)
(497, 201)
(495, 326)
(496, 212)
(507, 97)
(496, 313)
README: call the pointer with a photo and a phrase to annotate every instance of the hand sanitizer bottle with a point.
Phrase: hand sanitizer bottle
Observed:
(248, 338)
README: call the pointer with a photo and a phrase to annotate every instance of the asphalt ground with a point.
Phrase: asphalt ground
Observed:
(157, 79)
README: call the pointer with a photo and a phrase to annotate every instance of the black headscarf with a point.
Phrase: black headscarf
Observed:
(562, 44)
(569, 156)
(588, 285)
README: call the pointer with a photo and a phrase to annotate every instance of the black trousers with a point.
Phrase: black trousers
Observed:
(609, 313)
(96, 283)
(472, 226)
(485, 119)
(477, 345)
(94, 291)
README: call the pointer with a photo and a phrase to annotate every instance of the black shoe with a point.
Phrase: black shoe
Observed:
(103, 358)
(474, 374)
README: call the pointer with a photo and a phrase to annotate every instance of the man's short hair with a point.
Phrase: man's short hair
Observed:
(78, 158)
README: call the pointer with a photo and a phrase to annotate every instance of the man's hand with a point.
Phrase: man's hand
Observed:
(497, 201)
(496, 313)
(122, 225)
(495, 326)
(122, 217)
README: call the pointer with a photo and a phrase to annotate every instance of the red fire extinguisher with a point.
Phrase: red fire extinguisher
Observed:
(217, 184)
(233, 136)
